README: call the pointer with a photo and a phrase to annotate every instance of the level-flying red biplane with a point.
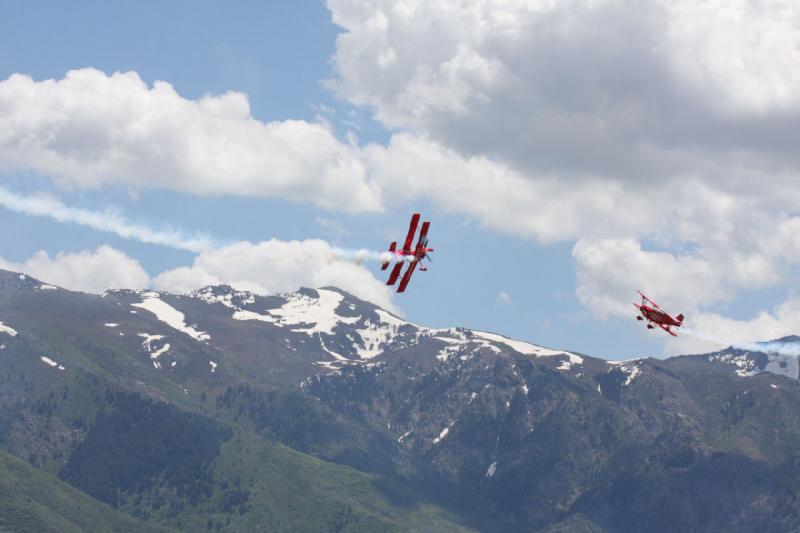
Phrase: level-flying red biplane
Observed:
(409, 255)
(655, 316)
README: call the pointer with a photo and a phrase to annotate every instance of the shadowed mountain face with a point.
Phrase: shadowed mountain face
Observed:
(188, 410)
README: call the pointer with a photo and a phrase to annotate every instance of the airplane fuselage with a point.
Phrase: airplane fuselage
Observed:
(412, 255)
(659, 317)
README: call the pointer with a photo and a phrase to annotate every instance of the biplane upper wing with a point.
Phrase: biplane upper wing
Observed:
(407, 276)
(645, 298)
(423, 233)
(412, 229)
(395, 273)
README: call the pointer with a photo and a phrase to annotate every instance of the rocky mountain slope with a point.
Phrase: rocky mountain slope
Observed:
(226, 410)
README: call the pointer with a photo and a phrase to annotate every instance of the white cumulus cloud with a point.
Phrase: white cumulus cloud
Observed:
(267, 267)
(86, 271)
(91, 129)
(275, 266)
(658, 136)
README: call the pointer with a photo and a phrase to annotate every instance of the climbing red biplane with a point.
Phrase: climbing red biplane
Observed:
(409, 255)
(653, 314)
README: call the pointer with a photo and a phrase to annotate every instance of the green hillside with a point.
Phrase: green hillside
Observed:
(34, 501)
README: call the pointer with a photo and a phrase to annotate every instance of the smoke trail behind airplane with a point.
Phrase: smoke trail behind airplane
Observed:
(774, 347)
(362, 255)
(108, 220)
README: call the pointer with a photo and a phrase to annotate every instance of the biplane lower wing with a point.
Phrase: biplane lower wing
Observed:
(395, 273)
(392, 248)
(666, 328)
(407, 277)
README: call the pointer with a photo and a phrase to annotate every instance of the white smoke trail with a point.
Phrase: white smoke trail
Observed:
(111, 221)
(773, 347)
(107, 221)
(777, 347)
(359, 256)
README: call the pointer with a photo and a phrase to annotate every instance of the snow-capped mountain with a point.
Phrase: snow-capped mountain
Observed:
(778, 356)
(326, 327)
(511, 435)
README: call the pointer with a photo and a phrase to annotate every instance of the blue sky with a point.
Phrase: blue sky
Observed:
(492, 108)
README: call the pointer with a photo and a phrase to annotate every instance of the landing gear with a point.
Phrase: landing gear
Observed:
(650, 326)
(639, 318)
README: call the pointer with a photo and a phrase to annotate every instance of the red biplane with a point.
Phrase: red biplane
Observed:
(409, 255)
(653, 314)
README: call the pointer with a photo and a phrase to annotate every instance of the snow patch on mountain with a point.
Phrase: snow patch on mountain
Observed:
(151, 349)
(316, 315)
(632, 370)
(152, 302)
(8, 330)
(50, 362)
(335, 355)
(376, 335)
(750, 364)
(243, 314)
(745, 365)
(304, 313)
(226, 296)
(442, 435)
(404, 435)
(464, 342)
(527, 348)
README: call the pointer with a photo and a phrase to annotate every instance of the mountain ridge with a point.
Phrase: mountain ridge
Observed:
(491, 433)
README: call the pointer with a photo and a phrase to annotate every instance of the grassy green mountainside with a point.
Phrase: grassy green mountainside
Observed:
(316, 411)
(33, 500)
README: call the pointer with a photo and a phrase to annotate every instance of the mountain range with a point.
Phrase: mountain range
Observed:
(223, 410)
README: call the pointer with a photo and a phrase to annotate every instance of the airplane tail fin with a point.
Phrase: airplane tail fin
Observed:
(392, 248)
(679, 318)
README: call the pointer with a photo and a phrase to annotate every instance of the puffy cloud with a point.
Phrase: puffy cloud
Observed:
(617, 88)
(478, 187)
(659, 136)
(276, 266)
(610, 271)
(600, 119)
(87, 271)
(266, 267)
(91, 129)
